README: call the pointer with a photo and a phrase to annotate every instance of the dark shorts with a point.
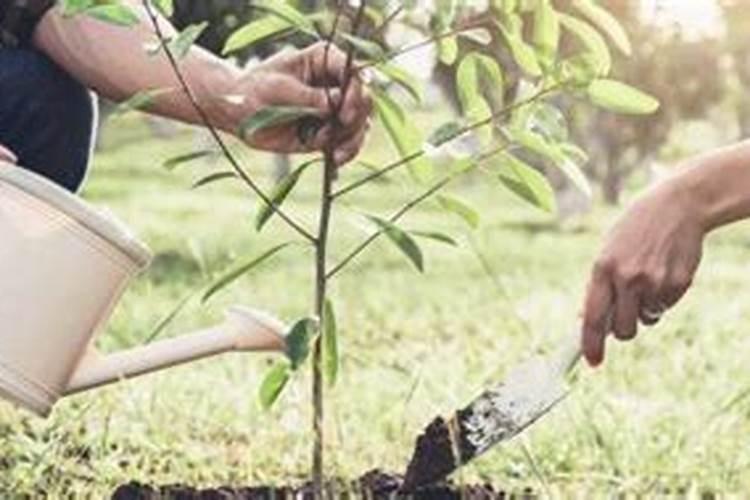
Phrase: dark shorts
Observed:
(46, 117)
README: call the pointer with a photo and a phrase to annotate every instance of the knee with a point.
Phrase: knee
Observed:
(54, 115)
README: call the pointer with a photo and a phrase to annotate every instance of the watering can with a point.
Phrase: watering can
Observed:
(63, 267)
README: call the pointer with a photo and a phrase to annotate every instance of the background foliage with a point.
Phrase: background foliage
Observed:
(502, 293)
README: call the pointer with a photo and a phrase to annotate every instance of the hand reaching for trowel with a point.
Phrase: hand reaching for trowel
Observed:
(652, 253)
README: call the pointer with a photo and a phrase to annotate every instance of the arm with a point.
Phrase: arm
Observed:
(652, 253)
(112, 60)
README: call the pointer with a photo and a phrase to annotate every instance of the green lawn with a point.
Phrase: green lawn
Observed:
(667, 412)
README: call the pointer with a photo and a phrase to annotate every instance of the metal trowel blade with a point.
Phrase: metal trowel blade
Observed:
(528, 393)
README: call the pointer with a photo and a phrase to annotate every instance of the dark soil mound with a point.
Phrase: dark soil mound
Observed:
(375, 485)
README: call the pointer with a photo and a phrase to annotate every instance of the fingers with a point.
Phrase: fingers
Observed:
(293, 92)
(627, 309)
(350, 149)
(327, 64)
(357, 105)
(650, 312)
(597, 306)
(351, 131)
(7, 155)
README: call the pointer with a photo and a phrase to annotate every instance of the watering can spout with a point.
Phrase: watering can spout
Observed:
(243, 330)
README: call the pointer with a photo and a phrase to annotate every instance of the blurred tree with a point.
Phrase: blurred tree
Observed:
(737, 21)
(681, 72)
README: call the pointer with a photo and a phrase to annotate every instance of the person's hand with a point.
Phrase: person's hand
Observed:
(646, 266)
(7, 155)
(297, 78)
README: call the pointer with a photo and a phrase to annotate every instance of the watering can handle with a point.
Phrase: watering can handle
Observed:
(243, 330)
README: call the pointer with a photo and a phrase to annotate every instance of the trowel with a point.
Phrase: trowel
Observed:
(530, 391)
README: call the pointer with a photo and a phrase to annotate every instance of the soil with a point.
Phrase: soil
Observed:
(375, 485)
(440, 450)
(433, 458)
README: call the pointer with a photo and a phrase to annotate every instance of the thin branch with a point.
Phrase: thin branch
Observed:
(205, 119)
(388, 20)
(406, 209)
(321, 244)
(418, 45)
(393, 218)
(463, 130)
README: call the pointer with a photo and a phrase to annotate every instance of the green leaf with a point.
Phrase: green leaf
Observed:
(546, 31)
(402, 78)
(460, 208)
(215, 177)
(367, 48)
(537, 144)
(298, 341)
(548, 121)
(283, 10)
(526, 182)
(593, 42)
(273, 384)
(274, 116)
(448, 50)
(177, 161)
(608, 23)
(467, 83)
(181, 44)
(403, 133)
(236, 272)
(114, 13)
(166, 7)
(476, 75)
(255, 32)
(445, 132)
(72, 8)
(435, 236)
(402, 240)
(522, 52)
(330, 344)
(478, 35)
(621, 98)
(506, 6)
(139, 101)
(279, 195)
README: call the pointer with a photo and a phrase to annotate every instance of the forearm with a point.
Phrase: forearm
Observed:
(718, 185)
(112, 61)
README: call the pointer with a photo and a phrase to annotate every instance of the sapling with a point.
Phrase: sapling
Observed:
(513, 62)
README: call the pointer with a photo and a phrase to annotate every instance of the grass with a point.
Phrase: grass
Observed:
(669, 412)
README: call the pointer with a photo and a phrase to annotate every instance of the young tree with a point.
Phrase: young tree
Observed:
(507, 104)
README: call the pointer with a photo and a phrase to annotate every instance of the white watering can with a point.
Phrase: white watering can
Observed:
(63, 267)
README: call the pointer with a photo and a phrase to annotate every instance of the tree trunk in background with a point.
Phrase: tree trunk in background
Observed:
(742, 66)
(612, 185)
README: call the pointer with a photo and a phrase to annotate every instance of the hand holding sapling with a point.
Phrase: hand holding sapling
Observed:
(294, 82)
